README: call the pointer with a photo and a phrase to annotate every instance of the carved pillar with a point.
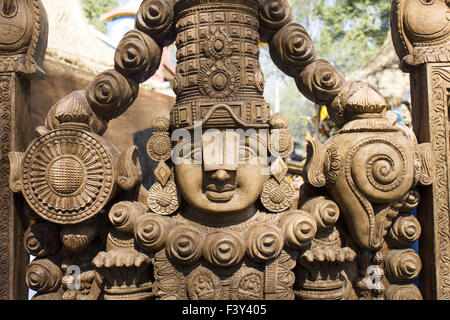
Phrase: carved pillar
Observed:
(421, 30)
(23, 39)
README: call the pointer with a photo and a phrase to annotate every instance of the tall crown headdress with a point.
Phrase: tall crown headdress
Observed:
(219, 79)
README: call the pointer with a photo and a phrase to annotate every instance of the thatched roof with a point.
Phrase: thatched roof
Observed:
(70, 39)
(383, 71)
(74, 43)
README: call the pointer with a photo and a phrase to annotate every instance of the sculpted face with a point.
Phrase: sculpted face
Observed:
(228, 176)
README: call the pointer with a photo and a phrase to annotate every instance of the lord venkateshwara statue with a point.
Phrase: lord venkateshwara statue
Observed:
(220, 223)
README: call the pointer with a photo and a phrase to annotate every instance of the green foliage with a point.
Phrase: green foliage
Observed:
(95, 8)
(352, 30)
(348, 33)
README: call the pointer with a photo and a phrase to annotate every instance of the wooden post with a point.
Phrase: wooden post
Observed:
(23, 40)
(421, 36)
(429, 87)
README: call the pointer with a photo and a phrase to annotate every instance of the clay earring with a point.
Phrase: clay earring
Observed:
(163, 196)
(278, 194)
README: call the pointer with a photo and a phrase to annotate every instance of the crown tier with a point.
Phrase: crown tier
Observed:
(218, 65)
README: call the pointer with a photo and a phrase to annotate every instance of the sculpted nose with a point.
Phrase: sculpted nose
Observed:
(220, 175)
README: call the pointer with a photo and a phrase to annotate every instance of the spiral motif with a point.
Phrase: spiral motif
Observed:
(184, 245)
(409, 201)
(273, 15)
(291, 49)
(223, 249)
(405, 230)
(120, 213)
(325, 211)
(41, 240)
(110, 94)
(137, 56)
(329, 213)
(123, 215)
(389, 170)
(151, 231)
(264, 243)
(43, 276)
(299, 228)
(320, 82)
(384, 171)
(403, 265)
(155, 18)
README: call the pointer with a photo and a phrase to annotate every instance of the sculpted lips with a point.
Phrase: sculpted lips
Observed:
(220, 194)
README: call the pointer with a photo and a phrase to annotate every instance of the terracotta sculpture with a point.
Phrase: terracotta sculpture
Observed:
(219, 223)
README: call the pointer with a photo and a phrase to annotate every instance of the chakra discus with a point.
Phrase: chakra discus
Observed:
(68, 176)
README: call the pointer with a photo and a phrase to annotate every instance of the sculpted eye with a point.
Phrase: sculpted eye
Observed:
(427, 2)
(187, 151)
(246, 153)
(195, 154)
(190, 153)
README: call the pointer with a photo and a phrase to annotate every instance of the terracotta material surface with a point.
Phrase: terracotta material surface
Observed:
(218, 222)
